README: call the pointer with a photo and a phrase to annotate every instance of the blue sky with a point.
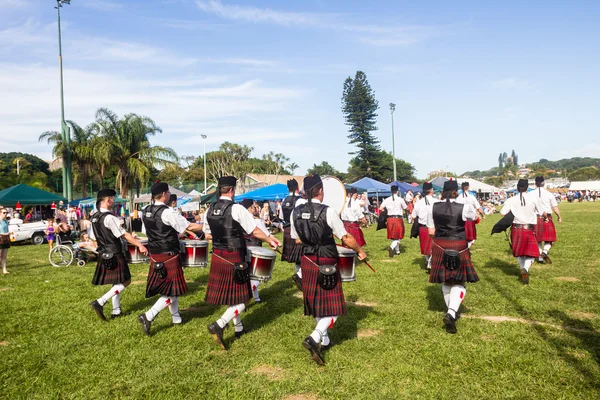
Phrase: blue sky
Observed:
(469, 79)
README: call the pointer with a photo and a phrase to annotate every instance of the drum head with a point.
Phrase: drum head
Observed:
(343, 251)
(334, 193)
(261, 251)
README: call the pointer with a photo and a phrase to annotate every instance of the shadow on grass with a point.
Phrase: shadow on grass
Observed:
(511, 269)
(346, 327)
(582, 330)
(435, 298)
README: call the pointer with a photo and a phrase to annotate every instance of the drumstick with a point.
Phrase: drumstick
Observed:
(365, 260)
(282, 255)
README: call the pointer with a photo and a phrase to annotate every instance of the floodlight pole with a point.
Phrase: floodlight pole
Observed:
(65, 131)
(392, 109)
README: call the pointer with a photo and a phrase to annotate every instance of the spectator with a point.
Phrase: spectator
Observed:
(4, 239)
(50, 232)
(28, 217)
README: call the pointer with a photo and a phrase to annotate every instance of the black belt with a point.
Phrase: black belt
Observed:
(523, 226)
(350, 222)
(394, 216)
(169, 253)
(422, 226)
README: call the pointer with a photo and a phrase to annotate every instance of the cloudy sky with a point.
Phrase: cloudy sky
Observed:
(469, 79)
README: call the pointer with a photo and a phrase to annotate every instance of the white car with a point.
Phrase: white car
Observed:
(33, 231)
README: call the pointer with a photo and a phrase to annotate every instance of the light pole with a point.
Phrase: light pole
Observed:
(65, 131)
(204, 137)
(392, 109)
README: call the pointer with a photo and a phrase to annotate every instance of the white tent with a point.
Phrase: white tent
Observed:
(194, 192)
(477, 186)
(589, 185)
(147, 197)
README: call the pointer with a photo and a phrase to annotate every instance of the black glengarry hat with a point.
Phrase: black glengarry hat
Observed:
(394, 188)
(292, 184)
(159, 187)
(172, 198)
(106, 193)
(539, 179)
(227, 181)
(464, 184)
(427, 186)
(522, 184)
(310, 182)
(450, 185)
(247, 203)
(353, 190)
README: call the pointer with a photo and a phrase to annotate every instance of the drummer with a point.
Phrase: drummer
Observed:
(314, 225)
(395, 225)
(419, 214)
(227, 284)
(291, 250)
(253, 209)
(163, 227)
(351, 215)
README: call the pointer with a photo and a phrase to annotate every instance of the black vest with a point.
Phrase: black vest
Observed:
(162, 238)
(107, 242)
(252, 241)
(226, 232)
(288, 205)
(315, 234)
(448, 220)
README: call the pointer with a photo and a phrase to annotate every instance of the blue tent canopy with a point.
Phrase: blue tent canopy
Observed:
(77, 201)
(373, 187)
(404, 187)
(278, 191)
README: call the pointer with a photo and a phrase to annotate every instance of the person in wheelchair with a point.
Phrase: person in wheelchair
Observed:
(85, 245)
(63, 232)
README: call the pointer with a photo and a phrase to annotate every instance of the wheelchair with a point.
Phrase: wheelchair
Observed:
(65, 252)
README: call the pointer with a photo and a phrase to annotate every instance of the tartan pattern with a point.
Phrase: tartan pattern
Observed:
(104, 276)
(291, 250)
(318, 302)
(425, 241)
(524, 242)
(545, 231)
(222, 288)
(470, 230)
(173, 285)
(439, 273)
(395, 228)
(353, 228)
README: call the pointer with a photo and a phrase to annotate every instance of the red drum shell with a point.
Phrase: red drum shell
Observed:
(262, 261)
(346, 264)
(194, 253)
(134, 255)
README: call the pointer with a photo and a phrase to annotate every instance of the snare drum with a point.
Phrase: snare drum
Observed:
(135, 257)
(194, 253)
(262, 261)
(346, 263)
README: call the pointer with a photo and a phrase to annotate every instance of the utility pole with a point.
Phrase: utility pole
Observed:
(392, 109)
(65, 131)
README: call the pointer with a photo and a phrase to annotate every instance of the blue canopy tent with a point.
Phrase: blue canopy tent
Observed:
(77, 201)
(404, 187)
(278, 191)
(373, 187)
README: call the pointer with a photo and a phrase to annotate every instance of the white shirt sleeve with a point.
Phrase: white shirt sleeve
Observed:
(335, 223)
(293, 233)
(505, 208)
(429, 220)
(111, 222)
(245, 219)
(469, 213)
(261, 225)
(174, 220)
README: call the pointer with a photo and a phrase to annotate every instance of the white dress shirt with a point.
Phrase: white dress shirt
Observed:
(111, 222)
(171, 218)
(468, 198)
(239, 214)
(333, 221)
(422, 209)
(395, 206)
(544, 199)
(526, 214)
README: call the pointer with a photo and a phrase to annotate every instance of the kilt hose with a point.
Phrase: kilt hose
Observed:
(524, 242)
(545, 231)
(291, 250)
(470, 230)
(318, 302)
(439, 274)
(353, 228)
(174, 284)
(395, 228)
(425, 241)
(105, 276)
(222, 288)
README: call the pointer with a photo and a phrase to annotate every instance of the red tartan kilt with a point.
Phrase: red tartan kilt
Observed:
(439, 273)
(104, 276)
(425, 241)
(319, 302)
(524, 242)
(395, 228)
(353, 228)
(291, 250)
(222, 288)
(470, 230)
(545, 231)
(173, 285)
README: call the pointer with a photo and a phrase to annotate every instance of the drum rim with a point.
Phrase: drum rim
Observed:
(345, 194)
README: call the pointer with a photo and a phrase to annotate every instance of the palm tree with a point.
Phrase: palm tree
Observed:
(130, 149)
(293, 167)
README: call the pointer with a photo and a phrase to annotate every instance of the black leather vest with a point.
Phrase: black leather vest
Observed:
(162, 238)
(107, 242)
(287, 206)
(448, 220)
(252, 241)
(226, 232)
(315, 234)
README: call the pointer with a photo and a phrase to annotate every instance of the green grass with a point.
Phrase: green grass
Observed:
(392, 343)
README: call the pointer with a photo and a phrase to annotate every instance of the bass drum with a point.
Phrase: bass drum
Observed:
(334, 193)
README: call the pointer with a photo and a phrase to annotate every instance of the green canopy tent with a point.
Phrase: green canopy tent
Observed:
(28, 196)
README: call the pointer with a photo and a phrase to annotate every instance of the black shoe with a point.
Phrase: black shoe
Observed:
(145, 323)
(298, 281)
(327, 347)
(546, 258)
(390, 252)
(115, 316)
(258, 301)
(310, 345)
(217, 333)
(98, 309)
(450, 323)
(241, 333)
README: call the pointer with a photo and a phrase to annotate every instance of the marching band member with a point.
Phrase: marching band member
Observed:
(408, 199)
(522, 235)
(351, 215)
(395, 224)
(314, 225)
(545, 230)
(108, 232)
(291, 250)
(468, 198)
(422, 208)
(163, 227)
(253, 209)
(450, 259)
(229, 277)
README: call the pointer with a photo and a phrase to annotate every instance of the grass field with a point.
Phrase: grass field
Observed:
(540, 341)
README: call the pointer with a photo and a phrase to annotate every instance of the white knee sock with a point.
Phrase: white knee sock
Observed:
(298, 270)
(398, 247)
(254, 284)
(162, 303)
(231, 313)
(323, 324)
(394, 244)
(174, 309)
(541, 247)
(116, 303)
(470, 244)
(428, 260)
(457, 295)
(547, 247)
(237, 324)
(521, 261)
(527, 262)
(446, 292)
(115, 290)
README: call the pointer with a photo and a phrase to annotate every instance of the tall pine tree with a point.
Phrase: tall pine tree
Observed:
(360, 111)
